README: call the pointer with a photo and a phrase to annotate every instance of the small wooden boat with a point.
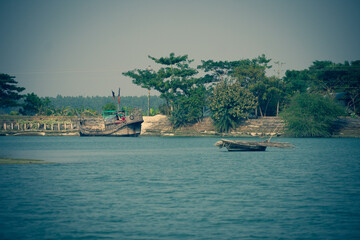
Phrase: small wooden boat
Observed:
(232, 145)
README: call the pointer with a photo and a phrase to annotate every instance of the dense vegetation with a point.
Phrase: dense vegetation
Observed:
(311, 115)
(229, 104)
(235, 90)
(228, 91)
(31, 104)
(9, 92)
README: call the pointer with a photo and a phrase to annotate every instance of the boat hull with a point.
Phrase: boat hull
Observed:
(132, 130)
(129, 128)
(245, 148)
(250, 145)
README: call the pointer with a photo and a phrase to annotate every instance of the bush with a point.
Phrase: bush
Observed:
(311, 115)
(109, 107)
(188, 109)
(14, 113)
(230, 104)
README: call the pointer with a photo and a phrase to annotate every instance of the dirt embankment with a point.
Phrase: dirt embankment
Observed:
(160, 125)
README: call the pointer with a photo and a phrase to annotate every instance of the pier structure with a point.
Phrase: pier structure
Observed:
(38, 126)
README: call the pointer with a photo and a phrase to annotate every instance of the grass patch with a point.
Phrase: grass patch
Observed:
(21, 161)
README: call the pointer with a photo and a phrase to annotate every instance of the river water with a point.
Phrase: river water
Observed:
(178, 188)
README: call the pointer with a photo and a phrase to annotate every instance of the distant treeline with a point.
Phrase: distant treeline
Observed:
(96, 103)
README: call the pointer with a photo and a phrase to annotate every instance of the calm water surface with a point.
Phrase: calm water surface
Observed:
(178, 188)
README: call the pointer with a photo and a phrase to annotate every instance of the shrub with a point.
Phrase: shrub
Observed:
(229, 104)
(311, 115)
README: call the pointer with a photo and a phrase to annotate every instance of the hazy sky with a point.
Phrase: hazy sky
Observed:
(81, 47)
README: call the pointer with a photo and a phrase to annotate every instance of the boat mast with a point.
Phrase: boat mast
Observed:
(119, 100)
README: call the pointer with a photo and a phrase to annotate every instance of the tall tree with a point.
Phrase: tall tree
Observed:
(172, 79)
(9, 92)
(352, 85)
(328, 78)
(32, 104)
(230, 104)
(219, 70)
(189, 108)
(144, 78)
(270, 92)
(251, 74)
(296, 81)
(175, 77)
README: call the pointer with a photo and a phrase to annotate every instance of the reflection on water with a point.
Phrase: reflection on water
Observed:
(178, 188)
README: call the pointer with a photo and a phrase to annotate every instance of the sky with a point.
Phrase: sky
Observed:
(82, 47)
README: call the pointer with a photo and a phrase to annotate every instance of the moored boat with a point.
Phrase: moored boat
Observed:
(113, 123)
(232, 145)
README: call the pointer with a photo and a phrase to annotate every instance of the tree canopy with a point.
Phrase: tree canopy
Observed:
(186, 89)
(328, 78)
(9, 92)
(32, 104)
(229, 104)
(176, 82)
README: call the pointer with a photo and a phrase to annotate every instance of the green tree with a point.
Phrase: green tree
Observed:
(174, 76)
(46, 107)
(296, 81)
(177, 84)
(229, 104)
(32, 104)
(189, 108)
(145, 78)
(328, 78)
(9, 92)
(311, 115)
(270, 92)
(219, 70)
(109, 107)
(251, 74)
(352, 86)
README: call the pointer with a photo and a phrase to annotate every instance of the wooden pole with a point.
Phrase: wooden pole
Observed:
(149, 102)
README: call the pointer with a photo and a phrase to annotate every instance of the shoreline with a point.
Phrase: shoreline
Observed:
(160, 125)
(6, 161)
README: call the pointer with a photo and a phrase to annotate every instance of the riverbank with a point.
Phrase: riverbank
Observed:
(20, 161)
(160, 125)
